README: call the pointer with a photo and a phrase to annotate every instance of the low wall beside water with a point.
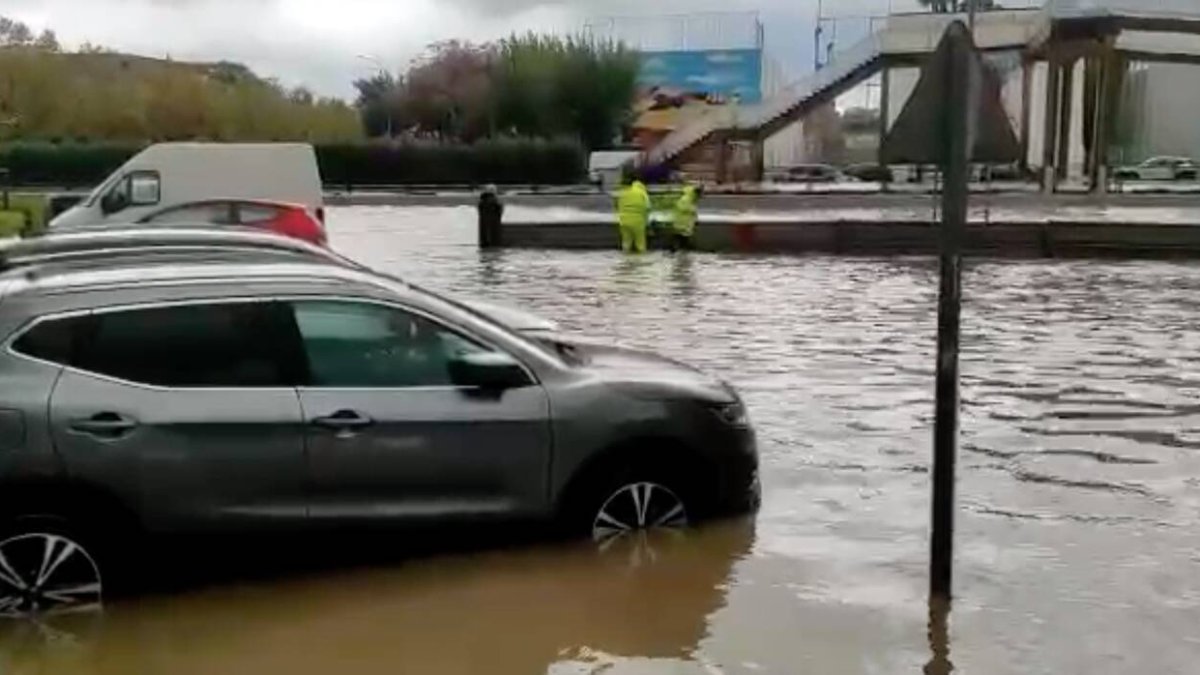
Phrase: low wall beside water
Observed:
(1077, 237)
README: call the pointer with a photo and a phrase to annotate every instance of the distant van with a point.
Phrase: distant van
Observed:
(606, 166)
(171, 174)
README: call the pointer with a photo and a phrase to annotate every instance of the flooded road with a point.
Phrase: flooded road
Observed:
(1078, 546)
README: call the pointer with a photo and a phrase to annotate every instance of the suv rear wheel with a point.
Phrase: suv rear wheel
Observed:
(47, 567)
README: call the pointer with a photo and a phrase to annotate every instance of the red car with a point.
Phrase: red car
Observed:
(292, 220)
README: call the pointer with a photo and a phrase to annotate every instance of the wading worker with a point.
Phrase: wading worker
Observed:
(684, 221)
(633, 215)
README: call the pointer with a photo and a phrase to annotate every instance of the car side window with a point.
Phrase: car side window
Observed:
(54, 340)
(362, 345)
(217, 213)
(257, 214)
(209, 345)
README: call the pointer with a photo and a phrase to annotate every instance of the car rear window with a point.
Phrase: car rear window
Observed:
(54, 340)
(207, 345)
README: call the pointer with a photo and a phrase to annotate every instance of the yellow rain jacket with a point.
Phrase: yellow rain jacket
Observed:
(686, 212)
(633, 214)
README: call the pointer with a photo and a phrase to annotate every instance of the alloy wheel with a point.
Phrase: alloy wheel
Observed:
(637, 507)
(44, 574)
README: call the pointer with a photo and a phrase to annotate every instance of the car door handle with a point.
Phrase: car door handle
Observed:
(105, 425)
(344, 420)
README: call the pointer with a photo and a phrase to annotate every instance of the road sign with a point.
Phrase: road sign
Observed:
(918, 135)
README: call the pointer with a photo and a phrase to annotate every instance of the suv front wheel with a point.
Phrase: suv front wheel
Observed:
(625, 498)
(47, 568)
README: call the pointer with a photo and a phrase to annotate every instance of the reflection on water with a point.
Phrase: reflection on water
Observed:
(1079, 485)
(568, 608)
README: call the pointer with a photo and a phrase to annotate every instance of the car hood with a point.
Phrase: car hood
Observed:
(511, 318)
(650, 375)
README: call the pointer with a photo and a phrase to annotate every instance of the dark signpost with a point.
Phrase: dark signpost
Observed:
(954, 117)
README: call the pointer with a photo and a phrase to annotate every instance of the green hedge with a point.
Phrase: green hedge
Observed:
(65, 164)
(501, 161)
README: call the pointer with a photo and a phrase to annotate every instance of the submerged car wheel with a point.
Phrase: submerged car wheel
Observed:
(47, 571)
(639, 506)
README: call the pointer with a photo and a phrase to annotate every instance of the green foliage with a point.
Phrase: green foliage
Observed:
(26, 215)
(501, 160)
(63, 164)
(572, 86)
(531, 85)
(12, 223)
(101, 96)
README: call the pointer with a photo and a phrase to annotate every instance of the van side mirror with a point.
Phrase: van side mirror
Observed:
(139, 188)
(145, 188)
(492, 371)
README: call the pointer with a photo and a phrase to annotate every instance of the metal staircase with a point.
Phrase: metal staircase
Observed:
(847, 69)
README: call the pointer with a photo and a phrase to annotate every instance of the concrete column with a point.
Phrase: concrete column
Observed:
(722, 149)
(1112, 81)
(1026, 111)
(1066, 100)
(885, 113)
(1050, 131)
(885, 103)
(757, 157)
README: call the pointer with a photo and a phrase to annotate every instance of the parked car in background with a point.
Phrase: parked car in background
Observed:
(1004, 172)
(170, 174)
(813, 173)
(1160, 168)
(869, 173)
(293, 220)
(144, 396)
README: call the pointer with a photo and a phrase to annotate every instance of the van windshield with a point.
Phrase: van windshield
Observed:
(103, 187)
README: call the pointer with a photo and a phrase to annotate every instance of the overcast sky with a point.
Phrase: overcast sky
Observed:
(316, 42)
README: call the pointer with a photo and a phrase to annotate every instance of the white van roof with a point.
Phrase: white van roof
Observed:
(610, 159)
(281, 172)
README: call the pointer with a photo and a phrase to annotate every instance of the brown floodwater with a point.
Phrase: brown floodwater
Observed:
(1079, 487)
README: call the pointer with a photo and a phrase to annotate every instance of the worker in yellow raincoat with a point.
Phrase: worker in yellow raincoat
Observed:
(633, 216)
(683, 223)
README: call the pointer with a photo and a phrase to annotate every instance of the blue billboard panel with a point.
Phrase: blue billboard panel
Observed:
(725, 73)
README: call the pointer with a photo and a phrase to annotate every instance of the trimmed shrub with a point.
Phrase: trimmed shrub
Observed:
(501, 161)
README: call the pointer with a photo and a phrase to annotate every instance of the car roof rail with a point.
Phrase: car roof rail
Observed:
(97, 242)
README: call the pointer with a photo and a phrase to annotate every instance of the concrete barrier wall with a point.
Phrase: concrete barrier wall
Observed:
(1008, 239)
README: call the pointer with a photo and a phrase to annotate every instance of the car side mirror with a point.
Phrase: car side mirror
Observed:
(492, 371)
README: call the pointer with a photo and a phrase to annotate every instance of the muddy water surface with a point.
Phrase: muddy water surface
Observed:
(1079, 486)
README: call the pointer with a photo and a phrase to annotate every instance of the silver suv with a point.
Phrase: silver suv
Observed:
(141, 395)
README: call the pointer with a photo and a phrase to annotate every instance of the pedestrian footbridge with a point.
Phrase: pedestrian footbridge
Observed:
(1169, 31)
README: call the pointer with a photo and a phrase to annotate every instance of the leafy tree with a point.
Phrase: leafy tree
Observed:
(14, 33)
(47, 41)
(375, 103)
(530, 85)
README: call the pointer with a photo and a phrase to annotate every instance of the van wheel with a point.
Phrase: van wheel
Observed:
(47, 568)
(629, 500)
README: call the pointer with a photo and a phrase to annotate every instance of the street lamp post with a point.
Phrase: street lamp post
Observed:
(382, 71)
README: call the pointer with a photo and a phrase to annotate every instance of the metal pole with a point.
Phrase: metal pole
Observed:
(817, 37)
(382, 71)
(971, 16)
(957, 127)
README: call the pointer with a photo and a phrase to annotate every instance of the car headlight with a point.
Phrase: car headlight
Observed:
(734, 414)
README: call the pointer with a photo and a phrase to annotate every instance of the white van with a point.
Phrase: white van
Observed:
(606, 166)
(171, 174)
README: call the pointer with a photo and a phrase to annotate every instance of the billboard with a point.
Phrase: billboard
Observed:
(721, 74)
